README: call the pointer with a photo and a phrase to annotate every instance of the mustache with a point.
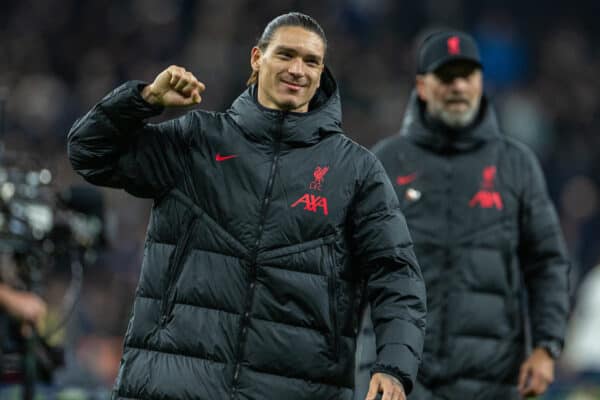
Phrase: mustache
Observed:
(457, 100)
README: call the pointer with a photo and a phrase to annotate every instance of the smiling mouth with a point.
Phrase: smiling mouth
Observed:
(293, 86)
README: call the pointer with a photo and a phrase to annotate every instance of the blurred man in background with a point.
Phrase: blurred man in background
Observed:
(485, 233)
(269, 233)
(20, 311)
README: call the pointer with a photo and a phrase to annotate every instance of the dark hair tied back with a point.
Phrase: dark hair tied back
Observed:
(289, 19)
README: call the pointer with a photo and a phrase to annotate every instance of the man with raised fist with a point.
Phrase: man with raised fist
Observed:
(270, 232)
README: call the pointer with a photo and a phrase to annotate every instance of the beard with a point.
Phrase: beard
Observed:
(287, 105)
(455, 119)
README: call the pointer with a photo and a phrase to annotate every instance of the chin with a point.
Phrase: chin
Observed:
(288, 105)
(457, 120)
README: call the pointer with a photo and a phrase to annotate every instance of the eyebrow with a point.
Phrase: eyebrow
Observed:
(310, 56)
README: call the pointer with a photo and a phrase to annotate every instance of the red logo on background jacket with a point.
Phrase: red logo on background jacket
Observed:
(487, 197)
(406, 179)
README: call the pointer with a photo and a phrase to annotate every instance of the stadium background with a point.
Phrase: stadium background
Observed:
(58, 57)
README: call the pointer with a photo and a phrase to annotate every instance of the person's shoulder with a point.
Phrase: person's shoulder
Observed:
(387, 149)
(517, 149)
(198, 126)
(208, 120)
(207, 115)
(388, 144)
(353, 149)
(355, 156)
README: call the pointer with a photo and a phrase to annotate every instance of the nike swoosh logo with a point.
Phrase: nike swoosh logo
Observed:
(220, 158)
(406, 179)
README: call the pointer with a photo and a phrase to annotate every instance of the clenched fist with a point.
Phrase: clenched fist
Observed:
(174, 87)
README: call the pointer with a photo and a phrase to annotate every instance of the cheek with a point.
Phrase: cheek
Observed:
(314, 82)
(476, 86)
(437, 94)
(263, 74)
(475, 92)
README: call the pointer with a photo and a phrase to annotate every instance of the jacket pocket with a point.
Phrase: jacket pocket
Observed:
(176, 263)
(332, 288)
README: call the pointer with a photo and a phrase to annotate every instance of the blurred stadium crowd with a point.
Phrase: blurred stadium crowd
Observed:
(61, 56)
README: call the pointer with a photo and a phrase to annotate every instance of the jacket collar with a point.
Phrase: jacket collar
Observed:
(441, 138)
(296, 129)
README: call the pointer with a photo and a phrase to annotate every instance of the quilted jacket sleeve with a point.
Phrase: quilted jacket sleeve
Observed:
(395, 288)
(543, 257)
(112, 145)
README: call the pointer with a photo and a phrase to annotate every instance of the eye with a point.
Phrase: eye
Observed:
(312, 62)
(285, 56)
(447, 79)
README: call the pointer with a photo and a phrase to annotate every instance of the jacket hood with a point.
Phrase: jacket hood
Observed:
(441, 138)
(293, 128)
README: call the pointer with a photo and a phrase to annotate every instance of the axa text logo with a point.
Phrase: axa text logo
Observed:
(312, 203)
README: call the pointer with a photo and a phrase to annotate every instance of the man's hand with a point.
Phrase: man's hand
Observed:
(537, 373)
(174, 87)
(391, 387)
(24, 306)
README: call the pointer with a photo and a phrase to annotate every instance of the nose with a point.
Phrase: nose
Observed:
(459, 83)
(296, 67)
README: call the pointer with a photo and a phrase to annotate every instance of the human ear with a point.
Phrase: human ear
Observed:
(255, 58)
(420, 86)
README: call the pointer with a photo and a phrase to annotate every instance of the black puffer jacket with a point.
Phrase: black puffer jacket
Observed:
(269, 232)
(481, 220)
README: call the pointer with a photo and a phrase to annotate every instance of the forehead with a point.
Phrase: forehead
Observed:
(297, 38)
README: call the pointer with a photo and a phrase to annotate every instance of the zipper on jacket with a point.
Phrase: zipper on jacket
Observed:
(254, 254)
(268, 190)
(332, 290)
(442, 343)
(174, 271)
(443, 338)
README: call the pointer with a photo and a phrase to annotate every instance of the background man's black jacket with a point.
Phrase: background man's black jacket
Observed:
(481, 220)
(269, 232)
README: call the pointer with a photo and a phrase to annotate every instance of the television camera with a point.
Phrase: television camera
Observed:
(45, 235)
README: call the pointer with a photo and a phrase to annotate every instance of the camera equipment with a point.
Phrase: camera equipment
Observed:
(45, 234)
